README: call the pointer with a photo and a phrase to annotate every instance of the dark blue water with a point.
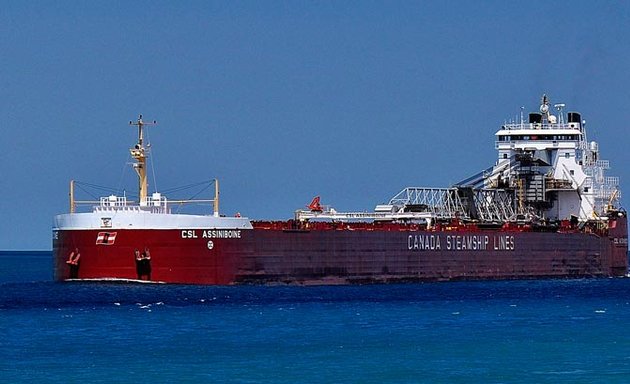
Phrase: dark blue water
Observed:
(476, 332)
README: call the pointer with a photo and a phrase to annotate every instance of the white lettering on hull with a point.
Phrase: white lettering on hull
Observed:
(426, 242)
(211, 234)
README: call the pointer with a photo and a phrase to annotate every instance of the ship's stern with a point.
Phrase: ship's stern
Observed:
(618, 234)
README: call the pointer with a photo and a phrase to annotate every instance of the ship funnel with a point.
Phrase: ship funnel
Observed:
(574, 117)
(535, 118)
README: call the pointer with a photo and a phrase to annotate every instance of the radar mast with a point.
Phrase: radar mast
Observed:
(139, 153)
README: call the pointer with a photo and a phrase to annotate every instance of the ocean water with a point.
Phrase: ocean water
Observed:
(544, 331)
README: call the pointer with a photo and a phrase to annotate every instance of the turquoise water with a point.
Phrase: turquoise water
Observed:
(471, 332)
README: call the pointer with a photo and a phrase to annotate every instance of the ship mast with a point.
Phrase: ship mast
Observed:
(140, 154)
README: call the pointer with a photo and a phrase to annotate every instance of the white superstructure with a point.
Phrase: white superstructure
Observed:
(553, 168)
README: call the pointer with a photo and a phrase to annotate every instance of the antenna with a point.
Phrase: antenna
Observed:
(559, 107)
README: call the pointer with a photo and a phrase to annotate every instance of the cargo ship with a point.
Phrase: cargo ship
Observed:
(545, 209)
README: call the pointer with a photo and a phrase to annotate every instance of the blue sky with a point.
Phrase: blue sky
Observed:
(283, 101)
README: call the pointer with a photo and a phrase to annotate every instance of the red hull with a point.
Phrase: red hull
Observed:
(341, 256)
